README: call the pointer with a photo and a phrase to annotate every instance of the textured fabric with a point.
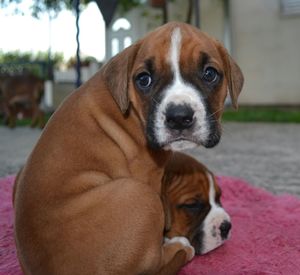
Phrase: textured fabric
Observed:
(265, 236)
(8, 258)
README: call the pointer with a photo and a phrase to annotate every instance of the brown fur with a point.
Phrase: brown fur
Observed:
(88, 199)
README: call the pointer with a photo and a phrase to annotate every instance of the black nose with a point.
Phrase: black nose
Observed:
(225, 228)
(179, 117)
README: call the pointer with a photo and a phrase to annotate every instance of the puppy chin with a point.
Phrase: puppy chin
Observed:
(163, 138)
(180, 145)
(211, 246)
(170, 142)
(205, 247)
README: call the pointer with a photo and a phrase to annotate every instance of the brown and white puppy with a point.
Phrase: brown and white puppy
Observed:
(88, 199)
(192, 204)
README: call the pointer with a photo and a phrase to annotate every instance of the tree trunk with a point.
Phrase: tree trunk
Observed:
(78, 62)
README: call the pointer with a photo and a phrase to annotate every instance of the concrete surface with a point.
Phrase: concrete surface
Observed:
(266, 155)
(15, 146)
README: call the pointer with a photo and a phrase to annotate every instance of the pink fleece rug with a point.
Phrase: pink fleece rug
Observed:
(265, 236)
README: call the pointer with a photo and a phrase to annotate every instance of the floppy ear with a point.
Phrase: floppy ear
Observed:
(117, 75)
(233, 74)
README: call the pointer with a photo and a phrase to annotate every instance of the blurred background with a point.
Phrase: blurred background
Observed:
(50, 47)
(42, 38)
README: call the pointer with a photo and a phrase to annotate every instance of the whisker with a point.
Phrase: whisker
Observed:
(221, 109)
(154, 100)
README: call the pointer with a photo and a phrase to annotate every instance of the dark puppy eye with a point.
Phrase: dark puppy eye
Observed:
(192, 207)
(210, 75)
(143, 81)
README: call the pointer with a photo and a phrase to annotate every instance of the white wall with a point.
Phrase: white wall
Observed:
(267, 47)
(265, 44)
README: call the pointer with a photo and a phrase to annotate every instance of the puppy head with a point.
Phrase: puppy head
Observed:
(176, 79)
(192, 205)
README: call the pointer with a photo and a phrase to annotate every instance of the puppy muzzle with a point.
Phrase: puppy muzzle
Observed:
(213, 232)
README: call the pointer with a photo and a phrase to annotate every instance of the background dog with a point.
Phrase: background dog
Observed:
(21, 95)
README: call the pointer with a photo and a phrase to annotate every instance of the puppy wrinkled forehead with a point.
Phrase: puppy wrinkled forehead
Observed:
(174, 43)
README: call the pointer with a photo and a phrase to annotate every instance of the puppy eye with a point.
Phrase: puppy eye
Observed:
(193, 207)
(210, 75)
(144, 81)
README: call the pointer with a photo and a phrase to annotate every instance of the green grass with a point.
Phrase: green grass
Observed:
(244, 114)
(263, 114)
(24, 122)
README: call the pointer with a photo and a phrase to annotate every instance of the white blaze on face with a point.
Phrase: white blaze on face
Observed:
(179, 92)
(211, 224)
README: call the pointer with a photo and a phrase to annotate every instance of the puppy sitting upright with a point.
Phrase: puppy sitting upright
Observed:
(88, 199)
(192, 204)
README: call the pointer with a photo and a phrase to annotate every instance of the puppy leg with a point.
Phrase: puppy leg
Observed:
(173, 267)
(176, 253)
(179, 243)
(116, 228)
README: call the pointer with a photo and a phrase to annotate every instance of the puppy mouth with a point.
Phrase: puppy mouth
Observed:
(181, 139)
(199, 246)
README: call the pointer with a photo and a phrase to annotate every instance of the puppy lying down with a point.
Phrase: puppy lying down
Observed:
(192, 205)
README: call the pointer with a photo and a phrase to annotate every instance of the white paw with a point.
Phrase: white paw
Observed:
(184, 241)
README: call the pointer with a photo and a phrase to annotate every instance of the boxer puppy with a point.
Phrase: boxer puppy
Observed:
(192, 204)
(88, 199)
(193, 209)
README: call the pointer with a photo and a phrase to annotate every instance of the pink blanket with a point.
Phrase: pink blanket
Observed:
(265, 236)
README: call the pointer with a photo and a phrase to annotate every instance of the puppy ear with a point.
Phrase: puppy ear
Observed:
(233, 74)
(117, 73)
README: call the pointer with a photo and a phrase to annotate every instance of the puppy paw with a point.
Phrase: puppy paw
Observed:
(185, 243)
